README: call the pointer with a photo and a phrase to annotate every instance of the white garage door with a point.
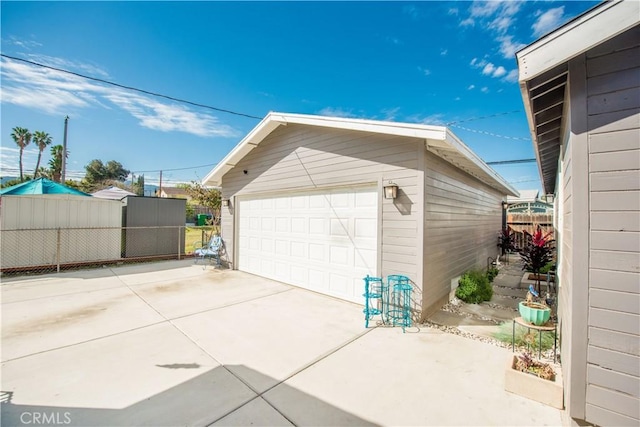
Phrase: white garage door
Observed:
(323, 241)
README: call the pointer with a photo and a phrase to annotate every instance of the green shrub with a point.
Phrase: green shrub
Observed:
(492, 272)
(521, 339)
(548, 267)
(474, 287)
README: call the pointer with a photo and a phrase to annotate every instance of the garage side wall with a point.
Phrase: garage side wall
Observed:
(462, 221)
(298, 158)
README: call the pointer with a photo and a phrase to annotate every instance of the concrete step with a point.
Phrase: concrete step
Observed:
(483, 310)
(512, 280)
(509, 292)
(505, 301)
(446, 318)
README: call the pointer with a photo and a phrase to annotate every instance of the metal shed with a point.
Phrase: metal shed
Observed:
(153, 226)
(52, 229)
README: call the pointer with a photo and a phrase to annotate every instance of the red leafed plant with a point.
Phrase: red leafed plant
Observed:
(537, 253)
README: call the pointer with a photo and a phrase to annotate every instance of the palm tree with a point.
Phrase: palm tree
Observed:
(42, 140)
(22, 137)
(55, 163)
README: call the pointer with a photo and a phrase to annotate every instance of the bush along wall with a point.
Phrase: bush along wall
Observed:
(474, 287)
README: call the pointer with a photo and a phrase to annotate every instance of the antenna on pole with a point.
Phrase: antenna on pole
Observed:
(64, 152)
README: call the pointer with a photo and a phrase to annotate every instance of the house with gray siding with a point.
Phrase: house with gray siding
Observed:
(303, 203)
(581, 90)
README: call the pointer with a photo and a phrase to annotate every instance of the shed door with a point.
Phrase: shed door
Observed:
(323, 241)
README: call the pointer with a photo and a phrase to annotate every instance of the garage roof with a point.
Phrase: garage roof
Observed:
(543, 75)
(438, 139)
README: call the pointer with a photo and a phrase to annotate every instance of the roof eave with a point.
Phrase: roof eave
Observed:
(438, 138)
(545, 58)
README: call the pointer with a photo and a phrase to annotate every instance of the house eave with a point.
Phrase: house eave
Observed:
(543, 76)
(438, 139)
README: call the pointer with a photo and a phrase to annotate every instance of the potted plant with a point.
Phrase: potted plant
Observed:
(537, 253)
(534, 380)
(537, 313)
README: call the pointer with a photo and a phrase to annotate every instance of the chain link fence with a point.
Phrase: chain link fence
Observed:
(36, 251)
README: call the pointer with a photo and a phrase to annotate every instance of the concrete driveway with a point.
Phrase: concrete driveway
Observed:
(175, 344)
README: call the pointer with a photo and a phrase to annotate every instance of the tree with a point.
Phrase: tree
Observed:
(55, 163)
(138, 186)
(22, 138)
(98, 174)
(42, 140)
(207, 197)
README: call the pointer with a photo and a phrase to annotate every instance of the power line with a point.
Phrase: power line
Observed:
(510, 162)
(195, 104)
(177, 169)
(515, 138)
(482, 117)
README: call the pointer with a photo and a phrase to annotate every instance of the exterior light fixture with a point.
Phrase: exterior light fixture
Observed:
(505, 205)
(390, 190)
(225, 203)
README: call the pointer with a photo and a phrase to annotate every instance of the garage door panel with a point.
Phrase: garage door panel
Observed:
(366, 227)
(282, 224)
(317, 226)
(366, 200)
(339, 227)
(325, 241)
(299, 225)
(281, 248)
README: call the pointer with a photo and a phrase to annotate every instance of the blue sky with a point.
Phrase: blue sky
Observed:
(422, 62)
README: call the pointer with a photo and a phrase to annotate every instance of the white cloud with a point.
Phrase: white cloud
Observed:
(24, 44)
(393, 40)
(482, 9)
(488, 69)
(412, 11)
(56, 92)
(390, 114)
(471, 87)
(169, 117)
(547, 21)
(484, 90)
(457, 98)
(443, 52)
(496, 17)
(508, 47)
(469, 22)
(433, 119)
(453, 11)
(512, 76)
(424, 71)
(82, 67)
(337, 112)
(499, 72)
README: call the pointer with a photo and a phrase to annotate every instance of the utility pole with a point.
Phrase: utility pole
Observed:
(64, 152)
(160, 189)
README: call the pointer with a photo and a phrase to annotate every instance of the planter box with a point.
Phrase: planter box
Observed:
(532, 387)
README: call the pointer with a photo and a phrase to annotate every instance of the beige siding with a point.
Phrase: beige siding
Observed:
(565, 269)
(613, 107)
(461, 224)
(298, 158)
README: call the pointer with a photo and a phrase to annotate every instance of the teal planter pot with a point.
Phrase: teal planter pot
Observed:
(532, 312)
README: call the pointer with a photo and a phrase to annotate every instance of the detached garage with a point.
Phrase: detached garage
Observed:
(305, 202)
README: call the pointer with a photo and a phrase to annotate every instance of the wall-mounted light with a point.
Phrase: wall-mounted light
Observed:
(390, 190)
(225, 203)
(505, 205)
